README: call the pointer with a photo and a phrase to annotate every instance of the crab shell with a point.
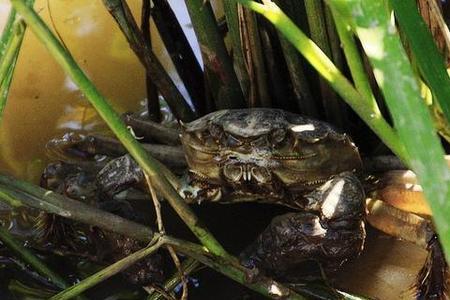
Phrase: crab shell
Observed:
(266, 148)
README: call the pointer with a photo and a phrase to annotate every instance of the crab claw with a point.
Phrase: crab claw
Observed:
(192, 192)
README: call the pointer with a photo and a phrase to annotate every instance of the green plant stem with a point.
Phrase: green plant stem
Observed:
(317, 26)
(300, 85)
(18, 287)
(429, 59)
(10, 42)
(113, 120)
(318, 30)
(230, 8)
(108, 272)
(28, 257)
(12, 49)
(7, 31)
(218, 65)
(5, 84)
(333, 38)
(188, 266)
(331, 74)
(355, 63)
(9, 49)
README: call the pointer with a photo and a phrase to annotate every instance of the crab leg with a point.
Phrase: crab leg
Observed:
(72, 146)
(330, 230)
(402, 191)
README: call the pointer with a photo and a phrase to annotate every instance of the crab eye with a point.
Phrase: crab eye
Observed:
(232, 141)
(277, 136)
(199, 136)
(215, 131)
(209, 142)
(259, 142)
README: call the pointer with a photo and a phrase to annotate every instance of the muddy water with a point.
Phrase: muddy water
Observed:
(44, 103)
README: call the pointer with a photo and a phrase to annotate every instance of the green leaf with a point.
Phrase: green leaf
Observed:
(371, 21)
(426, 53)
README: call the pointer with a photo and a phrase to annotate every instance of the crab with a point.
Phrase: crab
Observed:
(277, 157)
(274, 156)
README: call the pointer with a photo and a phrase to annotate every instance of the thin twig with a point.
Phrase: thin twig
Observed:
(161, 229)
(188, 266)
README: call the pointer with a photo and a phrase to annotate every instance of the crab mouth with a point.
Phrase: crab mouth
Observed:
(246, 173)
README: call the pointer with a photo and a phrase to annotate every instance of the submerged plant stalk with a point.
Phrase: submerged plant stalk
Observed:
(11, 50)
(107, 272)
(28, 257)
(10, 43)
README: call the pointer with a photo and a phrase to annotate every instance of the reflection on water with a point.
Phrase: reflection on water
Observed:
(387, 269)
(44, 102)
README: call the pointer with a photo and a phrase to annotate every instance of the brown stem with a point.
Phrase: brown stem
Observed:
(153, 106)
(219, 70)
(124, 18)
(183, 58)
